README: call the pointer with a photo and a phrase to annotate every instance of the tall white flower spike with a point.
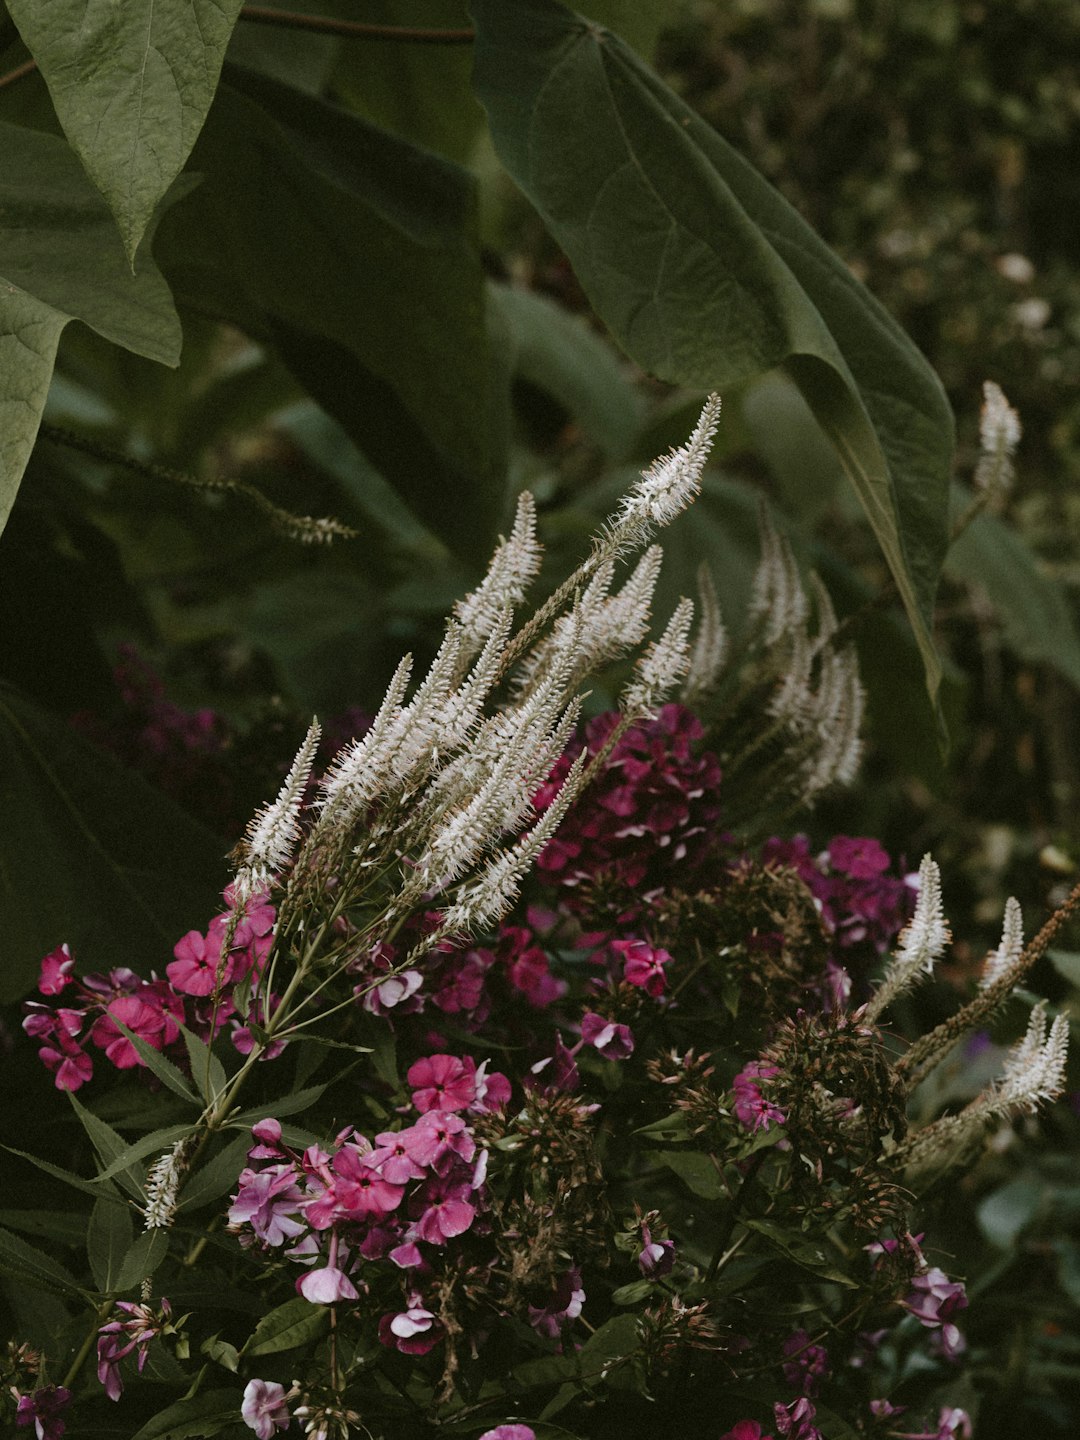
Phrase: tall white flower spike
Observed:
(921, 944)
(268, 845)
(1010, 949)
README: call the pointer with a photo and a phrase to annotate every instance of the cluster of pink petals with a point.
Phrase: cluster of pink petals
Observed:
(42, 1409)
(119, 1338)
(860, 903)
(449, 1082)
(91, 1010)
(563, 1305)
(746, 1430)
(807, 1365)
(796, 1421)
(337, 1211)
(264, 1408)
(651, 812)
(933, 1300)
(751, 1108)
(510, 1432)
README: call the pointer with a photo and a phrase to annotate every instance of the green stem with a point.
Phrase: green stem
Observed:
(84, 1349)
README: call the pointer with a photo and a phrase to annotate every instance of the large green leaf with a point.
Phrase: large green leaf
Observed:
(61, 260)
(128, 871)
(707, 276)
(1033, 605)
(355, 254)
(131, 83)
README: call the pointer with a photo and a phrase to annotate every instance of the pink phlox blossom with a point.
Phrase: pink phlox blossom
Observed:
(653, 807)
(56, 970)
(362, 1192)
(510, 1432)
(443, 1082)
(118, 1338)
(199, 967)
(414, 1331)
(563, 1306)
(527, 966)
(656, 1257)
(393, 1158)
(269, 1202)
(264, 1408)
(442, 1209)
(438, 1139)
(42, 1410)
(796, 1420)
(241, 1034)
(556, 1073)
(858, 856)
(643, 965)
(407, 1256)
(885, 1409)
(746, 1430)
(459, 985)
(952, 1424)
(151, 1023)
(268, 1133)
(329, 1283)
(492, 1090)
(751, 1108)
(933, 1300)
(807, 1365)
(612, 1041)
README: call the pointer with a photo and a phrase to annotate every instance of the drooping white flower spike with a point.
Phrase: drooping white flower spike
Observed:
(709, 649)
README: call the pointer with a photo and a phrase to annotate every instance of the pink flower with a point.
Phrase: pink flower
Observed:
(564, 1305)
(443, 1082)
(656, 1257)
(414, 1331)
(42, 1410)
(56, 971)
(933, 1299)
(147, 1020)
(264, 1408)
(796, 1420)
(751, 1108)
(746, 1430)
(444, 1210)
(199, 966)
(119, 1338)
(326, 1286)
(268, 1201)
(808, 1365)
(362, 1193)
(510, 1432)
(437, 1139)
(643, 965)
(614, 1042)
(858, 856)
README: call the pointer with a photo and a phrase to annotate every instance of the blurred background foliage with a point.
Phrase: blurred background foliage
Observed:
(935, 146)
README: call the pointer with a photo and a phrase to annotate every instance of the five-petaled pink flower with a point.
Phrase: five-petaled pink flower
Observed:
(264, 1408)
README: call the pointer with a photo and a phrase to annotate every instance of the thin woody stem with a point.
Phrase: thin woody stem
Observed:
(354, 29)
(915, 1063)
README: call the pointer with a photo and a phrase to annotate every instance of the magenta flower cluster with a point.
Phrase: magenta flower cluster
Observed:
(396, 1198)
(196, 994)
(655, 806)
(861, 904)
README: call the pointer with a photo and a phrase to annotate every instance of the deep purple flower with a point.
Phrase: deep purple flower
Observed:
(42, 1410)
(614, 1042)
(807, 1365)
(796, 1421)
(933, 1299)
(563, 1306)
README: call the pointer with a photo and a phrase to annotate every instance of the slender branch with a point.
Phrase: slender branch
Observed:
(26, 68)
(354, 29)
(296, 527)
